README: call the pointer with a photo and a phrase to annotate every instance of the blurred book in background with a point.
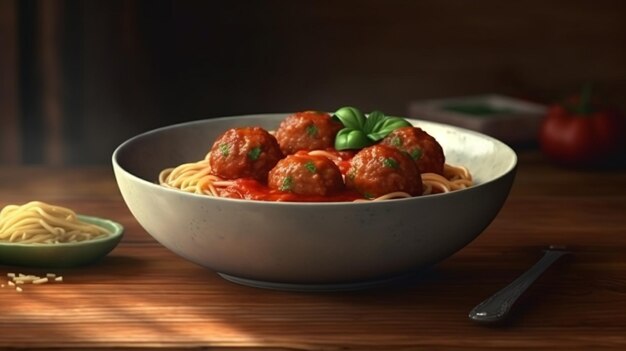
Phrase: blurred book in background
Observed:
(511, 120)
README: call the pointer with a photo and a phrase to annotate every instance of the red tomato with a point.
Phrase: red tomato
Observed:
(581, 139)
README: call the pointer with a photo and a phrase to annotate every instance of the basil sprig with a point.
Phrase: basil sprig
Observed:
(360, 131)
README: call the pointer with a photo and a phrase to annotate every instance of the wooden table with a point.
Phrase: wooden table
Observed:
(142, 295)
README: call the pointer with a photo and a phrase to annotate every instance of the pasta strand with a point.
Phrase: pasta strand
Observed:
(39, 222)
(196, 178)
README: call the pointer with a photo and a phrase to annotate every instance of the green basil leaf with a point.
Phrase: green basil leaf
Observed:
(341, 139)
(348, 138)
(378, 135)
(385, 126)
(379, 124)
(393, 123)
(372, 120)
(350, 117)
(358, 139)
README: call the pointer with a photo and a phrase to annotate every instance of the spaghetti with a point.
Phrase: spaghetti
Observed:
(454, 178)
(41, 223)
(196, 178)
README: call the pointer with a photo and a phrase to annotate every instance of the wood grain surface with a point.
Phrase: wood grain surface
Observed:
(144, 296)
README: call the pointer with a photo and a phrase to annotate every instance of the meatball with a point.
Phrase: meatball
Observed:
(306, 175)
(421, 146)
(379, 169)
(248, 152)
(309, 130)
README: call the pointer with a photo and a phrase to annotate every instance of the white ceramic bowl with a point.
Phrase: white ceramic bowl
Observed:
(309, 245)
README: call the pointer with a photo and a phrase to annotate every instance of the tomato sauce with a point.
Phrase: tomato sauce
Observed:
(341, 158)
(250, 189)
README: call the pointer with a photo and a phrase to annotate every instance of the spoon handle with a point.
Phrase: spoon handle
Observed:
(498, 305)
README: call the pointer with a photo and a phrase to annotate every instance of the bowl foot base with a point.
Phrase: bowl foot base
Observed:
(363, 285)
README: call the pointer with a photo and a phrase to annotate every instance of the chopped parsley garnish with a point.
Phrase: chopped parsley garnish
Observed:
(287, 184)
(254, 153)
(396, 141)
(310, 167)
(352, 175)
(416, 154)
(224, 149)
(311, 130)
(390, 162)
(368, 195)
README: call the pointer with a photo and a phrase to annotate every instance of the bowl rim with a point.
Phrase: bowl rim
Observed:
(153, 185)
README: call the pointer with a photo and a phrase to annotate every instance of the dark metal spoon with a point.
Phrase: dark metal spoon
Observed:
(499, 304)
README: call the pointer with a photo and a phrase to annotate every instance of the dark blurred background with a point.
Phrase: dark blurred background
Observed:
(79, 77)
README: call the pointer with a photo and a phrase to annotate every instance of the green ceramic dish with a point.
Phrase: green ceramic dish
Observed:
(63, 255)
